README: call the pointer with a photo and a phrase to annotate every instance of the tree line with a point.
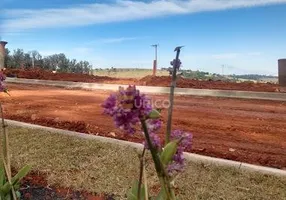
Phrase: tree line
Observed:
(56, 62)
(254, 76)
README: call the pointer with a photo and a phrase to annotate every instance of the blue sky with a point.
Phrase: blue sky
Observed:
(247, 36)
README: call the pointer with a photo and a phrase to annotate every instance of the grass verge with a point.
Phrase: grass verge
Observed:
(131, 73)
(104, 168)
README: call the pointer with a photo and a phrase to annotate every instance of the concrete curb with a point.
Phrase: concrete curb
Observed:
(189, 156)
(273, 96)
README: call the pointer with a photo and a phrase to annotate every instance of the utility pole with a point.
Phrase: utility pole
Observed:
(33, 62)
(155, 62)
(222, 69)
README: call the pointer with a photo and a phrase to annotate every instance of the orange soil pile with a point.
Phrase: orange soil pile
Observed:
(221, 85)
(148, 80)
(48, 75)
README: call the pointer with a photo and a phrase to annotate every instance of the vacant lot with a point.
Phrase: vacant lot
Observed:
(244, 130)
(137, 79)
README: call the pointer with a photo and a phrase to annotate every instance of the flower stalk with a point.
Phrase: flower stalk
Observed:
(6, 154)
(176, 64)
(141, 158)
(128, 107)
(145, 181)
(161, 172)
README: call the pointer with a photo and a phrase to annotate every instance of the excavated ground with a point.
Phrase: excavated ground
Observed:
(251, 131)
(148, 80)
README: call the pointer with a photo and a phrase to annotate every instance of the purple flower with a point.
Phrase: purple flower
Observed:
(142, 104)
(109, 104)
(155, 139)
(153, 126)
(176, 63)
(2, 77)
(178, 162)
(127, 107)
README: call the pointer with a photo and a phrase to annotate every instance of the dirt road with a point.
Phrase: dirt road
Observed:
(244, 130)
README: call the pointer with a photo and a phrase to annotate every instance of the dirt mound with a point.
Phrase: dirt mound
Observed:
(49, 75)
(148, 80)
(197, 84)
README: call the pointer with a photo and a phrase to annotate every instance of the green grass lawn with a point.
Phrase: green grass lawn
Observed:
(104, 168)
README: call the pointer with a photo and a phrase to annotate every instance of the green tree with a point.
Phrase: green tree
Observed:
(36, 57)
(7, 60)
(55, 62)
(27, 60)
(63, 63)
(18, 58)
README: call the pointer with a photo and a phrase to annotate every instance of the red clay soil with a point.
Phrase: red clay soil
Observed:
(35, 187)
(75, 77)
(148, 80)
(220, 85)
(251, 131)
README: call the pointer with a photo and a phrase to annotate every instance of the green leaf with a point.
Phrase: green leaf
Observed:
(21, 174)
(8, 196)
(133, 192)
(18, 194)
(2, 196)
(154, 114)
(2, 176)
(6, 188)
(169, 151)
(17, 186)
